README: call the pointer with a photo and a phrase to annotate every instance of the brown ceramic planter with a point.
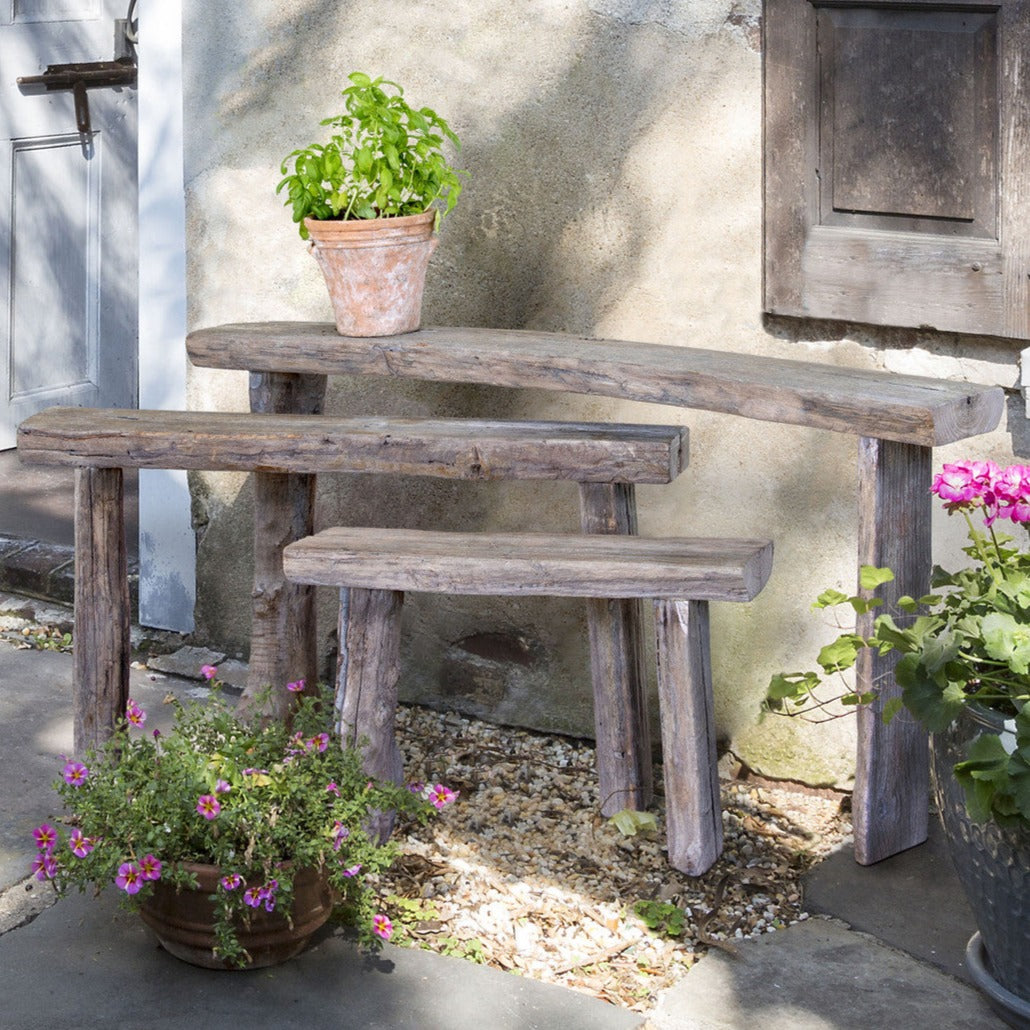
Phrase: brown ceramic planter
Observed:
(184, 921)
(375, 270)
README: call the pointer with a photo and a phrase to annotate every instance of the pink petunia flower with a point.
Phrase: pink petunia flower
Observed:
(80, 846)
(44, 865)
(331, 788)
(382, 927)
(209, 672)
(441, 796)
(340, 834)
(252, 897)
(150, 868)
(231, 882)
(208, 806)
(75, 774)
(295, 688)
(353, 870)
(222, 787)
(45, 837)
(129, 878)
(135, 714)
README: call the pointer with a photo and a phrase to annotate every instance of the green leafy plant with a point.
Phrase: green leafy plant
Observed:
(383, 159)
(968, 645)
(662, 917)
(260, 802)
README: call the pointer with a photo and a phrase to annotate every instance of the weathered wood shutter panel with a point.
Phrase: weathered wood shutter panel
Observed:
(897, 157)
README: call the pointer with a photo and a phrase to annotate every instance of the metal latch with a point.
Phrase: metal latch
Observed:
(82, 77)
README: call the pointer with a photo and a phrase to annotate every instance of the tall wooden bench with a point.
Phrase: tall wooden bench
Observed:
(898, 420)
(373, 568)
(285, 452)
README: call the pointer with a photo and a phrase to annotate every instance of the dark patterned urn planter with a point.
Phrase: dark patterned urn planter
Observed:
(993, 866)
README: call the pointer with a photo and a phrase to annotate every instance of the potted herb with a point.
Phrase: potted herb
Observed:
(233, 841)
(370, 200)
(964, 674)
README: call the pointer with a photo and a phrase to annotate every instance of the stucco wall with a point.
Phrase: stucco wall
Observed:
(615, 156)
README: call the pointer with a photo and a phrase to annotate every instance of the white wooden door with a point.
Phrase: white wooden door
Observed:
(68, 216)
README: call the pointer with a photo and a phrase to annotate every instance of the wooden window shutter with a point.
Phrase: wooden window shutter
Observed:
(897, 163)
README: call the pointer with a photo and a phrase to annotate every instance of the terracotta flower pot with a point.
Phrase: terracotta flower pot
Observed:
(184, 920)
(375, 270)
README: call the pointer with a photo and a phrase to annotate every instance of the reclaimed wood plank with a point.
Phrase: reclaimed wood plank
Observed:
(622, 728)
(909, 409)
(448, 448)
(283, 639)
(891, 802)
(535, 564)
(101, 632)
(693, 809)
(366, 684)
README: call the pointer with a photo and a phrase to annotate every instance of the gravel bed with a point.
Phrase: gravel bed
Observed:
(522, 873)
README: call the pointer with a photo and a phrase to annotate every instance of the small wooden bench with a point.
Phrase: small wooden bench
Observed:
(373, 567)
(285, 451)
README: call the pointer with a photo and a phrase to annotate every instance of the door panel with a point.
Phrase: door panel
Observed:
(68, 205)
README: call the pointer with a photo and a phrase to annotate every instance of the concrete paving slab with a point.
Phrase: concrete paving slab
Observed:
(88, 961)
(912, 901)
(817, 975)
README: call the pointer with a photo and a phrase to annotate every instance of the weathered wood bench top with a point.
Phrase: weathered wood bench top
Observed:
(883, 405)
(535, 564)
(449, 448)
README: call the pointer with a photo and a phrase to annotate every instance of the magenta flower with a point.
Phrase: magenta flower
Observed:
(129, 878)
(44, 865)
(209, 672)
(135, 714)
(441, 796)
(208, 806)
(80, 846)
(295, 688)
(75, 774)
(340, 834)
(319, 742)
(231, 882)
(150, 868)
(353, 870)
(964, 482)
(331, 788)
(252, 897)
(382, 927)
(45, 837)
(222, 787)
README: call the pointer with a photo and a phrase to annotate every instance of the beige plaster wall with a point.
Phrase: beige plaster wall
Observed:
(615, 154)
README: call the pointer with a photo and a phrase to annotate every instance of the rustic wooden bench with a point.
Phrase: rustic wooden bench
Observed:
(285, 451)
(897, 418)
(373, 568)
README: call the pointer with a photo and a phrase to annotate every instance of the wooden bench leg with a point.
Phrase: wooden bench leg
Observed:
(692, 804)
(891, 803)
(622, 728)
(283, 641)
(101, 637)
(366, 683)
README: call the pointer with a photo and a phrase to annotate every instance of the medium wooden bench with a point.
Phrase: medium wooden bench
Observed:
(285, 451)
(373, 568)
(898, 420)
